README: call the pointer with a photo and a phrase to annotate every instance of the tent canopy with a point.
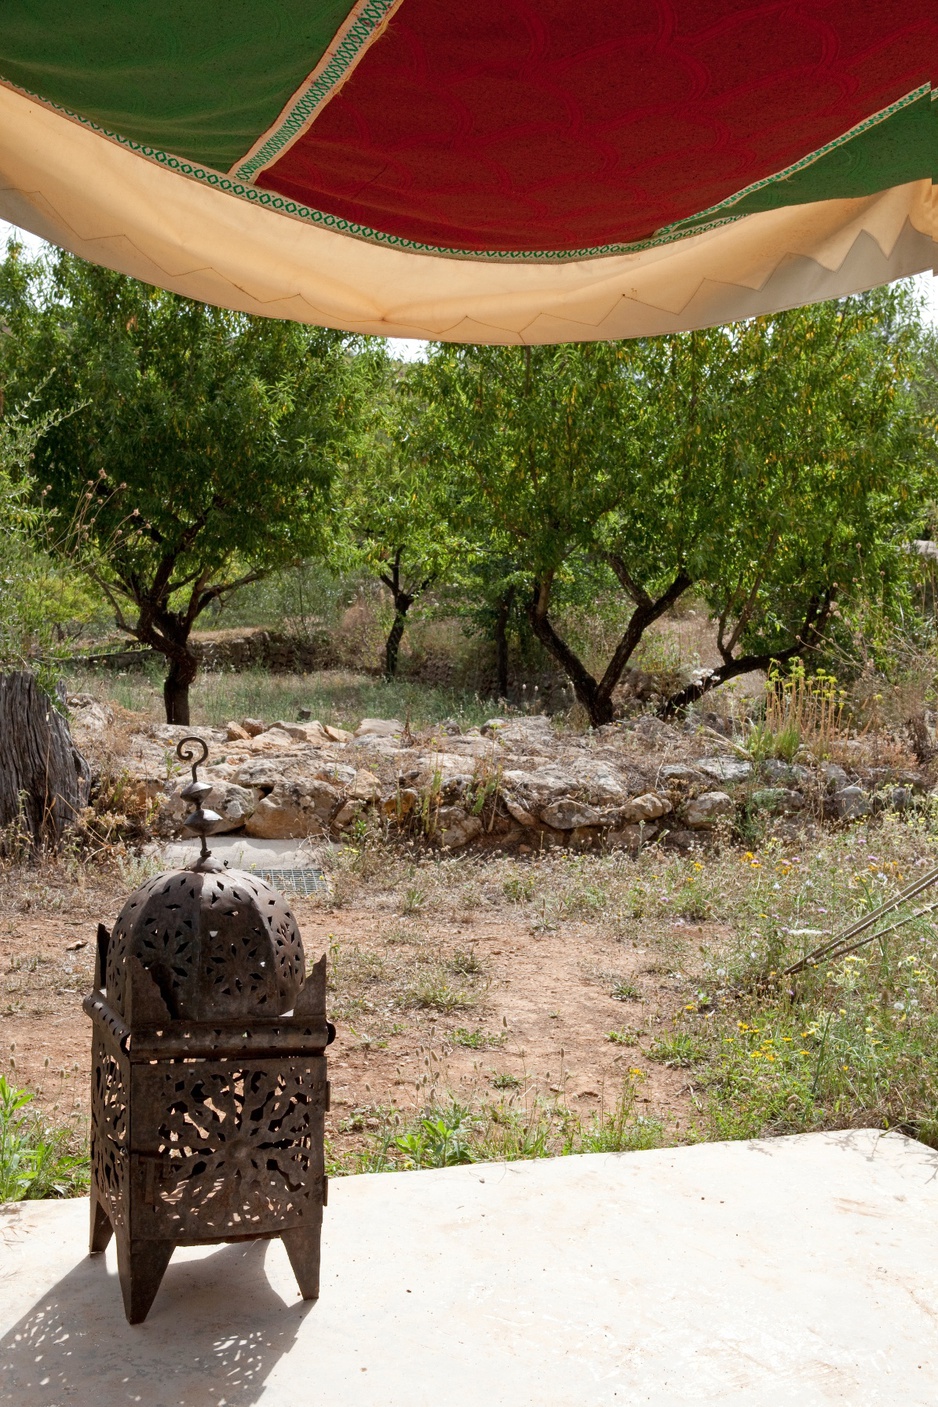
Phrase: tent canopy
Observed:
(495, 171)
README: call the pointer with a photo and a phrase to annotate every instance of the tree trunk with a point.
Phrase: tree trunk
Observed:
(183, 668)
(44, 780)
(402, 604)
(502, 615)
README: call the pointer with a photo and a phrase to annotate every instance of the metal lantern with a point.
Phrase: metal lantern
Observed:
(209, 1072)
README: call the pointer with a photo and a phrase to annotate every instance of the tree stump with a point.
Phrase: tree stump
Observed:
(44, 780)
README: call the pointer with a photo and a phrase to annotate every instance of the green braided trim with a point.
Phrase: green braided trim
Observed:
(319, 90)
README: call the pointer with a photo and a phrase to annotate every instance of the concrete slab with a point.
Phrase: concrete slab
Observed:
(244, 853)
(787, 1271)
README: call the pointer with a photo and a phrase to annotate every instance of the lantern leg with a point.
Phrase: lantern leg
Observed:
(303, 1247)
(140, 1267)
(101, 1228)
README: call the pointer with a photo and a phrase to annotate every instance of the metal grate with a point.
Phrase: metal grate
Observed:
(303, 882)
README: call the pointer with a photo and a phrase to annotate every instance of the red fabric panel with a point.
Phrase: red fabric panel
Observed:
(560, 124)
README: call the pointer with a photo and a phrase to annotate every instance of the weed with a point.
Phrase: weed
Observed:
(465, 963)
(35, 1160)
(622, 1037)
(475, 1040)
(439, 1139)
(435, 991)
(519, 889)
(623, 991)
(679, 1051)
(505, 1081)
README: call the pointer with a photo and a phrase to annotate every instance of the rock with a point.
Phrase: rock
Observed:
(680, 773)
(777, 799)
(784, 774)
(313, 733)
(534, 733)
(567, 815)
(273, 739)
(336, 735)
(655, 731)
(850, 803)
(277, 818)
(707, 809)
(725, 769)
(648, 807)
(348, 813)
(678, 839)
(456, 828)
(515, 809)
(364, 786)
(236, 734)
(400, 804)
(835, 777)
(88, 718)
(894, 798)
(379, 728)
(339, 774)
(631, 837)
(253, 726)
(584, 837)
(234, 804)
(304, 714)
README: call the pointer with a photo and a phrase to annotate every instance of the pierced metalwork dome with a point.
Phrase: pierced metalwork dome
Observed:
(218, 943)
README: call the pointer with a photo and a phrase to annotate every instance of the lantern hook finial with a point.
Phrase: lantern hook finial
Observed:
(185, 751)
(194, 751)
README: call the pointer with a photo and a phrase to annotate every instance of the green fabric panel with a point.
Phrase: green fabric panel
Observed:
(899, 148)
(194, 77)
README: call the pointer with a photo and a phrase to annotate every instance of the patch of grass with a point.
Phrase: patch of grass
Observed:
(475, 1040)
(623, 991)
(435, 991)
(466, 963)
(35, 1159)
(520, 889)
(505, 1081)
(680, 1050)
(338, 697)
(622, 1037)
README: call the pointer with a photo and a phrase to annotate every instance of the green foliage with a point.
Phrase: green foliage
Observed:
(438, 1140)
(44, 602)
(773, 465)
(35, 1161)
(203, 442)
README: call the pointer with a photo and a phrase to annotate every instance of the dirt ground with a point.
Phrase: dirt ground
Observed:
(440, 988)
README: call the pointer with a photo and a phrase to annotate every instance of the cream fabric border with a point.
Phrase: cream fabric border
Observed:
(90, 195)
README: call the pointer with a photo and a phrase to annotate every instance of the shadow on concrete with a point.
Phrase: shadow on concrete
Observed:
(216, 1330)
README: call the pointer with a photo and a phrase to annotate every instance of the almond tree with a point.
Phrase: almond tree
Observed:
(207, 440)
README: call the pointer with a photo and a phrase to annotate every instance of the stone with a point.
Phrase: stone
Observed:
(234, 804)
(253, 726)
(313, 733)
(88, 718)
(520, 813)
(457, 828)
(784, 774)
(680, 773)
(236, 733)
(364, 786)
(648, 807)
(679, 838)
(336, 735)
(347, 813)
(725, 769)
(895, 798)
(379, 728)
(567, 815)
(630, 837)
(835, 777)
(707, 809)
(850, 803)
(777, 799)
(339, 774)
(281, 818)
(400, 804)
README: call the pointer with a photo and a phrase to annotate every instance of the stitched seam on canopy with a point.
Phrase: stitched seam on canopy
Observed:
(806, 161)
(282, 205)
(357, 33)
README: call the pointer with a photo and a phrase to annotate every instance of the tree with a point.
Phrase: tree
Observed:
(769, 466)
(205, 441)
(391, 503)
